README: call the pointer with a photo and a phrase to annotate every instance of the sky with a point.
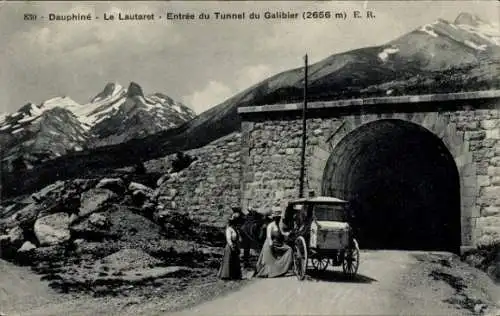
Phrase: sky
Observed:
(200, 63)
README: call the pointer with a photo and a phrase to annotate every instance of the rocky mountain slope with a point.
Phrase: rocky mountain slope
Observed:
(60, 125)
(439, 57)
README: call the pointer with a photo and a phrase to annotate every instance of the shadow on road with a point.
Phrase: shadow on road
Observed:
(337, 276)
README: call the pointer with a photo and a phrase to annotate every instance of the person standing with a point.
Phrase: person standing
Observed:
(276, 256)
(231, 267)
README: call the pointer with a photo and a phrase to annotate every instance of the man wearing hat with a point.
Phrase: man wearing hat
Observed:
(276, 257)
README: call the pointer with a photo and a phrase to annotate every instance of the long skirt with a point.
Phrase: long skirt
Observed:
(230, 268)
(274, 261)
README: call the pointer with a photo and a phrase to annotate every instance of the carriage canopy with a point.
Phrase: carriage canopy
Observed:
(322, 208)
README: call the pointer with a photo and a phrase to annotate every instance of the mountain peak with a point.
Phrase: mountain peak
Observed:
(468, 19)
(110, 89)
(134, 89)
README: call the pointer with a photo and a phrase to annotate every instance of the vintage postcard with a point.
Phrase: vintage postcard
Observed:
(250, 158)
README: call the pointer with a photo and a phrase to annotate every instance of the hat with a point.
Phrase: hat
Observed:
(276, 213)
(234, 217)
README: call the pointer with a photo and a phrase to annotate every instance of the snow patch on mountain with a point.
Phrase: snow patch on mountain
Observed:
(474, 45)
(467, 29)
(429, 30)
(384, 55)
(489, 33)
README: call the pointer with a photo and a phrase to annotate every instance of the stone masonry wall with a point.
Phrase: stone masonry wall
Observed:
(271, 154)
(482, 136)
(208, 188)
(271, 150)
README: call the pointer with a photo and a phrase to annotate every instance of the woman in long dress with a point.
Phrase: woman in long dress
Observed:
(231, 266)
(275, 257)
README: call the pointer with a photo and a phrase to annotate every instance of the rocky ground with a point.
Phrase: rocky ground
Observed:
(110, 238)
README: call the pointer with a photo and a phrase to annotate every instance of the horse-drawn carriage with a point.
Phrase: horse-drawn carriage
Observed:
(319, 230)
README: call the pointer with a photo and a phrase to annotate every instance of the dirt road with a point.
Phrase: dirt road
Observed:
(389, 283)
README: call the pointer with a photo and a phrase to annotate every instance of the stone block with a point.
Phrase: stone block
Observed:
(467, 125)
(481, 114)
(463, 160)
(495, 180)
(279, 194)
(429, 120)
(489, 143)
(484, 201)
(473, 211)
(495, 161)
(469, 191)
(318, 132)
(480, 155)
(468, 201)
(494, 114)
(489, 124)
(483, 181)
(470, 182)
(494, 171)
(288, 184)
(493, 134)
(490, 211)
(475, 145)
(482, 168)
(489, 221)
(491, 193)
(468, 170)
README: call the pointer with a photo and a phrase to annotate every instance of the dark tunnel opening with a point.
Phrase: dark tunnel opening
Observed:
(402, 184)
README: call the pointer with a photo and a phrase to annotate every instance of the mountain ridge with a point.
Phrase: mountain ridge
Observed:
(114, 115)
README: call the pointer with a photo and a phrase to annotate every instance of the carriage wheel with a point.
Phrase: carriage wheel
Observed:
(320, 264)
(350, 264)
(300, 258)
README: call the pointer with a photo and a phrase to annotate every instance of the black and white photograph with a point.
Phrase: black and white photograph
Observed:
(249, 158)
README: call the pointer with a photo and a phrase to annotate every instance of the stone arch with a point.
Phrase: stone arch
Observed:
(433, 123)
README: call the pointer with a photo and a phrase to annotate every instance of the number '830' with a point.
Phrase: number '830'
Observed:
(317, 15)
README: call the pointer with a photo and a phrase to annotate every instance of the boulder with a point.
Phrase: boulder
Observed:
(50, 206)
(13, 239)
(16, 236)
(48, 191)
(25, 218)
(26, 247)
(94, 228)
(24, 255)
(162, 179)
(98, 220)
(134, 186)
(167, 194)
(10, 242)
(116, 185)
(52, 229)
(95, 200)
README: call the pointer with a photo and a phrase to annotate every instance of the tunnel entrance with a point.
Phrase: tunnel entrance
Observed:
(402, 184)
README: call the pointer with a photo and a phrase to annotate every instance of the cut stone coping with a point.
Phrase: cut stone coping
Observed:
(458, 96)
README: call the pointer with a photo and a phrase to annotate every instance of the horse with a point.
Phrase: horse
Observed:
(252, 227)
